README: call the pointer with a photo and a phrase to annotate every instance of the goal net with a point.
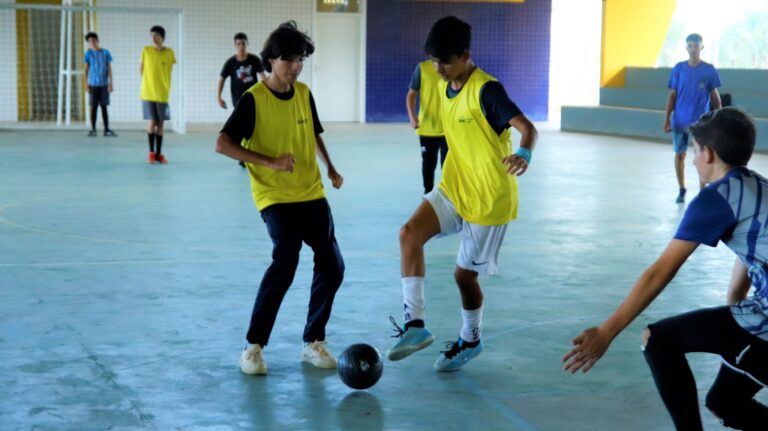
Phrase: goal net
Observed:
(43, 46)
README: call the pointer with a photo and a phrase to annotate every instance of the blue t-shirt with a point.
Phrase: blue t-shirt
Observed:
(734, 210)
(98, 73)
(692, 85)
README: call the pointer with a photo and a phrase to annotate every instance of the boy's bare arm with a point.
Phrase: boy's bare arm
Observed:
(218, 93)
(109, 77)
(410, 106)
(516, 164)
(714, 99)
(336, 179)
(226, 146)
(591, 344)
(740, 283)
(85, 78)
(141, 69)
(668, 110)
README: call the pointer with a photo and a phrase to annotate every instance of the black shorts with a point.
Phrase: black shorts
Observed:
(98, 96)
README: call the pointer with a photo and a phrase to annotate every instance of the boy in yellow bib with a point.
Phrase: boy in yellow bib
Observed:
(156, 64)
(275, 130)
(477, 194)
(429, 121)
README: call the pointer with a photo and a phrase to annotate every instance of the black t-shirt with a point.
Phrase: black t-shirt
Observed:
(497, 106)
(242, 74)
(240, 124)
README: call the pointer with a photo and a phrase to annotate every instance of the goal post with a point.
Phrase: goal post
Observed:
(43, 48)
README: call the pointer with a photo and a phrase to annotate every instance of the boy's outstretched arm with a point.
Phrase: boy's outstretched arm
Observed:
(517, 164)
(336, 179)
(591, 344)
(740, 283)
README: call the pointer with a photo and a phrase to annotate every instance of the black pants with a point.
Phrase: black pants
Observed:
(430, 147)
(290, 225)
(711, 330)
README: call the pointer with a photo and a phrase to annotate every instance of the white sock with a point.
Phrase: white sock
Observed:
(473, 324)
(413, 298)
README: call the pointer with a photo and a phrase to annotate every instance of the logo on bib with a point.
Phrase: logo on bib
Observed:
(465, 120)
(301, 121)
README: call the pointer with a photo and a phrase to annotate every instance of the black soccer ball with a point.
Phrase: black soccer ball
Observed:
(360, 366)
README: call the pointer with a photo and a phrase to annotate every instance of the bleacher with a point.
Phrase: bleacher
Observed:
(637, 109)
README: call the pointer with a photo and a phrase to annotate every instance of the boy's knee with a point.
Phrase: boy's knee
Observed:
(465, 277)
(407, 234)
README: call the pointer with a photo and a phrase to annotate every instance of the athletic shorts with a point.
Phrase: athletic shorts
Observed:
(480, 245)
(680, 140)
(157, 111)
(98, 96)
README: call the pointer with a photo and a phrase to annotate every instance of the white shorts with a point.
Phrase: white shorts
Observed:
(480, 245)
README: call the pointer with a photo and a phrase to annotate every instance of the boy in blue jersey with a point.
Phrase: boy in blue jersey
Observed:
(98, 81)
(692, 92)
(733, 209)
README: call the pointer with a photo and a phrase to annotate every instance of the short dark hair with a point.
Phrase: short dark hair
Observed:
(448, 37)
(241, 36)
(729, 132)
(90, 35)
(286, 42)
(159, 30)
(694, 37)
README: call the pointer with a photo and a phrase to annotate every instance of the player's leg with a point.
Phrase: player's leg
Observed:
(105, 114)
(424, 224)
(150, 114)
(328, 275)
(731, 398)
(283, 225)
(429, 150)
(680, 146)
(711, 330)
(163, 114)
(478, 254)
(93, 102)
(443, 150)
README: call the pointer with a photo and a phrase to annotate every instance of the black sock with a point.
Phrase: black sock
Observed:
(105, 117)
(159, 144)
(93, 117)
(471, 344)
(417, 323)
(151, 137)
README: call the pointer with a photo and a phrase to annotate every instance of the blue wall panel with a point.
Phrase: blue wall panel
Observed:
(509, 40)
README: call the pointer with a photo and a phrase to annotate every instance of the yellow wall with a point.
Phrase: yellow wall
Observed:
(633, 33)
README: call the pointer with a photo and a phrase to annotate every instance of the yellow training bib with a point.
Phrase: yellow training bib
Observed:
(474, 179)
(156, 77)
(430, 120)
(283, 127)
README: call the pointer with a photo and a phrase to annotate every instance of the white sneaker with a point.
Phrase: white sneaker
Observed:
(251, 361)
(317, 354)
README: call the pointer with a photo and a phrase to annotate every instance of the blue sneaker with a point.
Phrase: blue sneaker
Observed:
(411, 340)
(458, 354)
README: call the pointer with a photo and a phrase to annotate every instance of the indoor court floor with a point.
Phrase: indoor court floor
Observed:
(126, 289)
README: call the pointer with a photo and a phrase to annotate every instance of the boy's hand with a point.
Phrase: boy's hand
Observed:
(516, 165)
(222, 103)
(336, 179)
(588, 348)
(109, 87)
(285, 163)
(415, 124)
(87, 88)
(667, 126)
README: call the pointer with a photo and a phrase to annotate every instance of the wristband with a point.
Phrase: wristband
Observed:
(525, 153)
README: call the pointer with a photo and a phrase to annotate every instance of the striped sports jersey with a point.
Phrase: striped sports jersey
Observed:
(734, 210)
